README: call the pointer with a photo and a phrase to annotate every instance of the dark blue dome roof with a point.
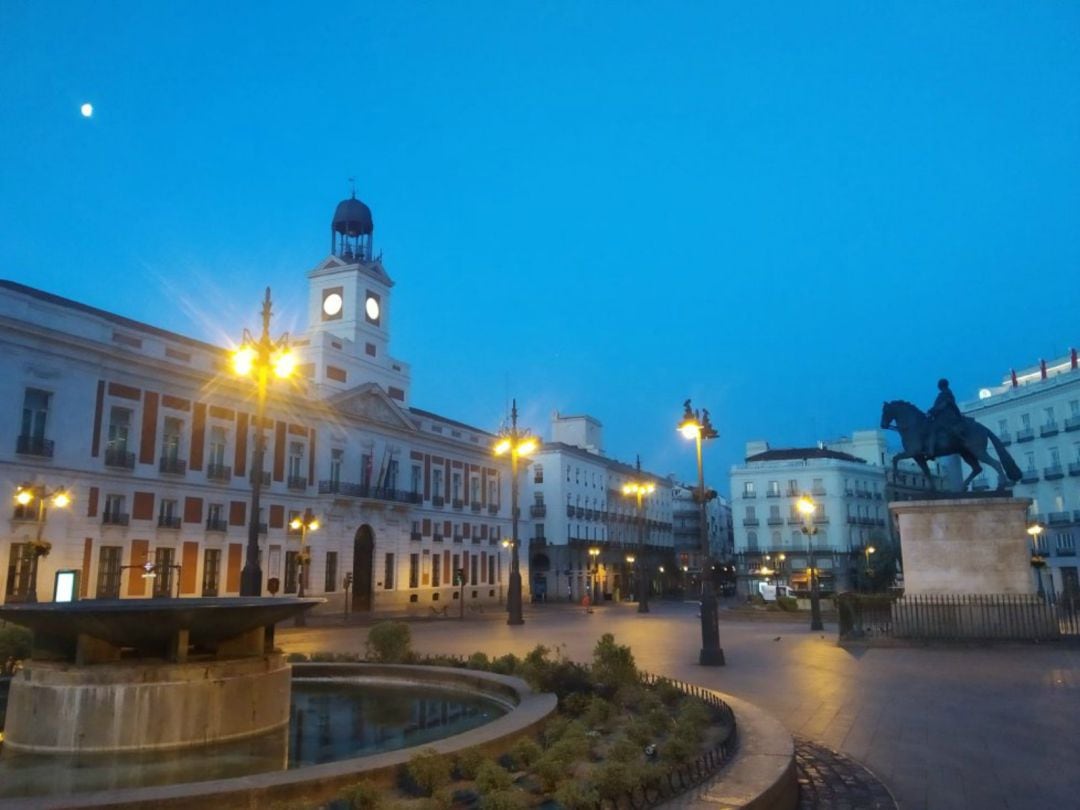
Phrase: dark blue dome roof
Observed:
(352, 218)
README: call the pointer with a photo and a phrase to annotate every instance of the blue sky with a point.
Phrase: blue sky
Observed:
(787, 211)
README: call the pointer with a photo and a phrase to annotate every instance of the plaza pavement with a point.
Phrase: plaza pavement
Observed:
(943, 727)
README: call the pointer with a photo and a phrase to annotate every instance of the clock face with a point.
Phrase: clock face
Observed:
(371, 308)
(331, 305)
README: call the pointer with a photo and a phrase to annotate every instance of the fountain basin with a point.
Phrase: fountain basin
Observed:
(117, 675)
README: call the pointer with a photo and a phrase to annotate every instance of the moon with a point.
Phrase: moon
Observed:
(87, 110)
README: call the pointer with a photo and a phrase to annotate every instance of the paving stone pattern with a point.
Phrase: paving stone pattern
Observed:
(831, 781)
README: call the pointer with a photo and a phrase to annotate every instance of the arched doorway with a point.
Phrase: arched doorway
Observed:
(363, 563)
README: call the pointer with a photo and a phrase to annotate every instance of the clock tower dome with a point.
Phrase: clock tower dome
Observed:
(349, 310)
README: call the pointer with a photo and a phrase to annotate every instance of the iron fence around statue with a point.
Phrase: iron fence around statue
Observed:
(958, 617)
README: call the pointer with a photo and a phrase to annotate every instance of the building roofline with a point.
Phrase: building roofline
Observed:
(120, 320)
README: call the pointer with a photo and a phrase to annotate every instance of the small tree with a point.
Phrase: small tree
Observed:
(389, 642)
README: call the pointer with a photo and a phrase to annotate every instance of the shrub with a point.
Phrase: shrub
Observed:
(364, 796)
(787, 603)
(676, 749)
(613, 664)
(598, 712)
(468, 762)
(525, 752)
(389, 642)
(506, 665)
(625, 750)
(658, 720)
(15, 642)
(639, 733)
(429, 770)
(478, 660)
(491, 778)
(614, 778)
(577, 795)
(668, 692)
(503, 800)
(441, 799)
(550, 769)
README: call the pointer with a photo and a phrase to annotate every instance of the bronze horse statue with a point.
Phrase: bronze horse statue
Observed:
(969, 440)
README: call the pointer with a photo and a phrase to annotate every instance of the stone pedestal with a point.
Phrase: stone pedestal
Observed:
(965, 546)
(967, 572)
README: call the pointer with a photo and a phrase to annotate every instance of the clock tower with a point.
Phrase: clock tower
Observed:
(349, 310)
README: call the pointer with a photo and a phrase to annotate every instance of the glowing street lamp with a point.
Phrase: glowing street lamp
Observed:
(519, 444)
(698, 428)
(639, 489)
(303, 523)
(24, 496)
(594, 558)
(1038, 561)
(262, 358)
(869, 568)
(807, 507)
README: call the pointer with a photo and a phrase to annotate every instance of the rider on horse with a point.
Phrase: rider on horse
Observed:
(944, 416)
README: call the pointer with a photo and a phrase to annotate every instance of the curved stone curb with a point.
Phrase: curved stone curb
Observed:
(761, 775)
(322, 782)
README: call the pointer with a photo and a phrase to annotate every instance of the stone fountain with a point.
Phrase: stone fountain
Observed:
(117, 675)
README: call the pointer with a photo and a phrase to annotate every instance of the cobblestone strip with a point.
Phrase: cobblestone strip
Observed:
(831, 781)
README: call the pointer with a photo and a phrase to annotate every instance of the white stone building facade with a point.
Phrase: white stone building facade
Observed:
(572, 501)
(151, 433)
(1036, 413)
(850, 480)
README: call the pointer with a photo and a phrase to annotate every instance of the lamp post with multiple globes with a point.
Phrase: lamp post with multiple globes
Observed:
(1038, 561)
(594, 559)
(807, 507)
(24, 496)
(697, 427)
(519, 443)
(262, 358)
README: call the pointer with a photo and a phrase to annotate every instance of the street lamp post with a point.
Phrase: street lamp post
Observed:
(518, 443)
(807, 507)
(1038, 562)
(506, 545)
(261, 357)
(699, 428)
(24, 496)
(303, 523)
(640, 489)
(869, 568)
(594, 569)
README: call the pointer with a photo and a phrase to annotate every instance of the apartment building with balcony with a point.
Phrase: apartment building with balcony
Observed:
(686, 522)
(851, 481)
(572, 501)
(151, 433)
(1035, 412)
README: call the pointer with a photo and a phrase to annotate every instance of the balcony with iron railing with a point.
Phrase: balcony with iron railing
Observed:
(438, 500)
(168, 521)
(1025, 435)
(538, 510)
(296, 482)
(457, 538)
(493, 509)
(1058, 518)
(1029, 476)
(569, 511)
(368, 492)
(115, 519)
(1053, 472)
(1072, 423)
(170, 465)
(457, 503)
(751, 521)
(217, 525)
(775, 520)
(1048, 429)
(34, 446)
(748, 494)
(1074, 468)
(1006, 437)
(819, 491)
(119, 458)
(415, 536)
(436, 538)
(580, 511)
(538, 541)
(476, 506)
(772, 493)
(218, 472)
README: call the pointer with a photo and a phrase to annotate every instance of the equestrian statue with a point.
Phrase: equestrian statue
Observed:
(944, 431)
